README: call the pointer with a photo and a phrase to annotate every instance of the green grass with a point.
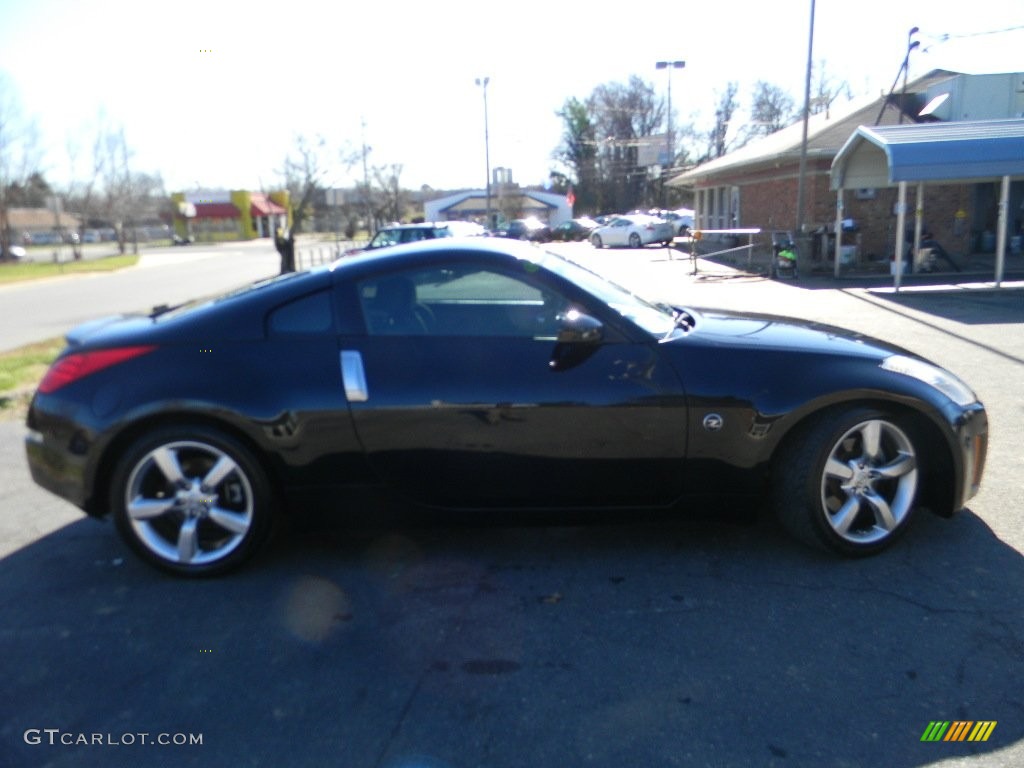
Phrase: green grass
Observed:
(12, 272)
(20, 372)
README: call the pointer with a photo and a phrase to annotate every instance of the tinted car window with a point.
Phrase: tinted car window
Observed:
(385, 238)
(459, 301)
(308, 315)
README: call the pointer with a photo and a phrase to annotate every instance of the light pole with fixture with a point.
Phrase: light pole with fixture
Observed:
(669, 65)
(904, 67)
(482, 82)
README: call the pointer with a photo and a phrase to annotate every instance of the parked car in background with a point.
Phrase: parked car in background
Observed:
(681, 219)
(574, 229)
(396, 234)
(633, 230)
(486, 374)
(531, 228)
(16, 253)
(45, 237)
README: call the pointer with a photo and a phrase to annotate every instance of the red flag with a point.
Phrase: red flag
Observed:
(570, 198)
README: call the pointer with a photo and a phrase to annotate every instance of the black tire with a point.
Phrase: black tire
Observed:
(634, 241)
(595, 240)
(174, 521)
(848, 481)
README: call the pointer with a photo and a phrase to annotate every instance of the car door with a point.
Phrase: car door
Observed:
(477, 404)
(619, 232)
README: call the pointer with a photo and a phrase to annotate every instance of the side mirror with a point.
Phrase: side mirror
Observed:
(575, 327)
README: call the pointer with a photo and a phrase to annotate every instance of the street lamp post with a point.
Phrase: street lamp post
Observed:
(802, 173)
(482, 82)
(669, 65)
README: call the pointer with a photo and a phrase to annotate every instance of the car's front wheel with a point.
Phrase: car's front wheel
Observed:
(595, 240)
(191, 500)
(634, 240)
(849, 480)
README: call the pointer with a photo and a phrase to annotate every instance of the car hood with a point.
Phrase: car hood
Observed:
(771, 332)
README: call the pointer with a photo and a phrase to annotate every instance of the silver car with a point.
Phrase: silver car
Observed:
(634, 230)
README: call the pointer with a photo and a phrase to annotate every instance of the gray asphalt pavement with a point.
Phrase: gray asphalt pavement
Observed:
(37, 310)
(624, 642)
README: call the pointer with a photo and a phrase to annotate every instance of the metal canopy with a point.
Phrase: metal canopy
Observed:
(893, 155)
(884, 155)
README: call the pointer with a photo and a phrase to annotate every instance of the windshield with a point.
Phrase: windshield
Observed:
(656, 319)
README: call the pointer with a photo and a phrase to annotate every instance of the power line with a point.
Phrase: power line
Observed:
(945, 36)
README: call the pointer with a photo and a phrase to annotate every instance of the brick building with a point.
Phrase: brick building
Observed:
(756, 185)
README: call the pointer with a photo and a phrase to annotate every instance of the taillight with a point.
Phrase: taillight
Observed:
(71, 368)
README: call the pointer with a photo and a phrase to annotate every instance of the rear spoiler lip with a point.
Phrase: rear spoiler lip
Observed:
(82, 332)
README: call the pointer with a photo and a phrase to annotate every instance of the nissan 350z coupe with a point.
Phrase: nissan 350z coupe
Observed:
(487, 374)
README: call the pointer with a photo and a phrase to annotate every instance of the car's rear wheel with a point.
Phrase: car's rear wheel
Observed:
(849, 480)
(634, 240)
(595, 240)
(191, 500)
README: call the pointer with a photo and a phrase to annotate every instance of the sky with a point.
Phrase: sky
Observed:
(212, 94)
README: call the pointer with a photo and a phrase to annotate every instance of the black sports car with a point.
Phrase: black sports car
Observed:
(487, 374)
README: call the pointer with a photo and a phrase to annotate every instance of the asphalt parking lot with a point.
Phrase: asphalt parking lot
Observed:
(630, 641)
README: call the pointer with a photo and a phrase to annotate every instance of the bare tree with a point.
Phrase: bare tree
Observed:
(307, 172)
(717, 137)
(116, 183)
(624, 116)
(84, 190)
(392, 200)
(124, 195)
(827, 89)
(772, 109)
(20, 157)
(304, 171)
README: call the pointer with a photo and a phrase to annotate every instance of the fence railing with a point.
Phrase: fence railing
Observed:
(731, 240)
(313, 254)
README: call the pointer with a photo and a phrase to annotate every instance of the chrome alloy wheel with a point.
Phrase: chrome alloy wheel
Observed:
(189, 503)
(869, 482)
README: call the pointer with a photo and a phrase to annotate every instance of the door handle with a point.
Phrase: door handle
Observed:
(353, 376)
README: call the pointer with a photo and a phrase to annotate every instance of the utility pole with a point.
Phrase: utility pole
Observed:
(801, 179)
(366, 182)
(911, 45)
(670, 161)
(482, 82)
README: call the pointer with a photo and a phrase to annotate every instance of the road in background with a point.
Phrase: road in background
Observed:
(36, 310)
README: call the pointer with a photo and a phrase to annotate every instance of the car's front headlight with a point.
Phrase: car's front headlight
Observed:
(941, 379)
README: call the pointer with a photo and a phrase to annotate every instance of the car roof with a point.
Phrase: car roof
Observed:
(421, 225)
(407, 253)
(418, 225)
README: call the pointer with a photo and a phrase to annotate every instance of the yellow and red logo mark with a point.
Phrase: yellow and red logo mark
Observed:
(959, 730)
